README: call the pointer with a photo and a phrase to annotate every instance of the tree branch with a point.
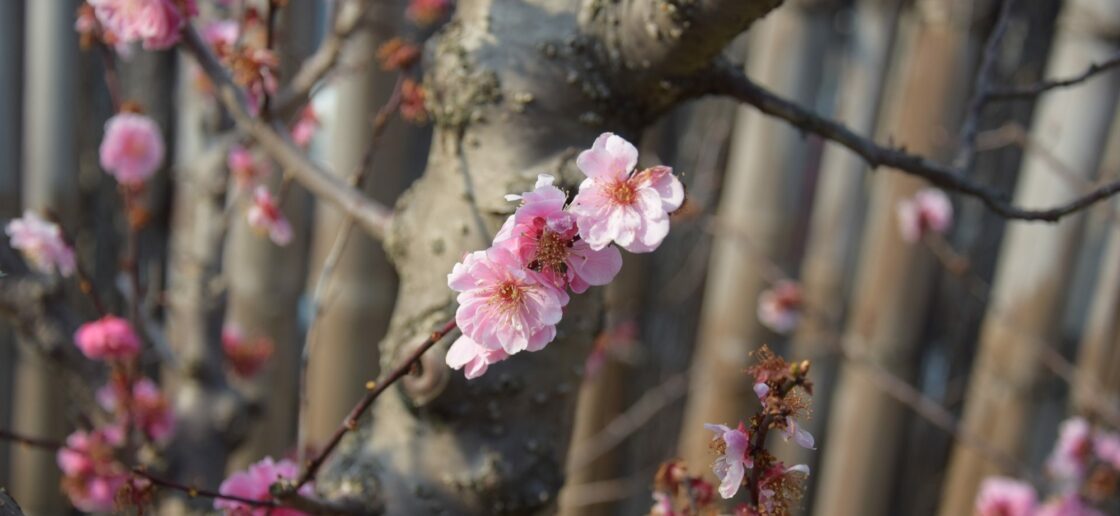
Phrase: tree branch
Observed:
(966, 155)
(725, 79)
(1031, 91)
(347, 20)
(369, 214)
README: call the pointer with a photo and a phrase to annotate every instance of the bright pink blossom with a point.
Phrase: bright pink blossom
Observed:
(614, 205)
(108, 338)
(247, 170)
(132, 148)
(91, 475)
(471, 357)
(148, 409)
(265, 216)
(1001, 496)
(928, 211)
(735, 459)
(1073, 450)
(546, 238)
(305, 126)
(254, 483)
(246, 356)
(502, 305)
(779, 307)
(156, 23)
(41, 244)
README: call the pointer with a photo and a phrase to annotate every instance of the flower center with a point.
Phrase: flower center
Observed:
(622, 192)
(508, 295)
(552, 252)
(134, 147)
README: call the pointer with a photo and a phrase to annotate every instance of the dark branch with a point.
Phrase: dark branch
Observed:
(966, 156)
(196, 492)
(1031, 91)
(725, 79)
(371, 215)
(374, 389)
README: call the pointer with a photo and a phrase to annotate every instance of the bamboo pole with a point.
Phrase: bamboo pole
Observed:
(1036, 260)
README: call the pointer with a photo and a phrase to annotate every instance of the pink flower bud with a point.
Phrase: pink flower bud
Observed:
(108, 338)
(132, 148)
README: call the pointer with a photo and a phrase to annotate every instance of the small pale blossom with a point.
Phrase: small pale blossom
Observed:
(1072, 451)
(1067, 505)
(148, 409)
(305, 126)
(615, 205)
(265, 216)
(502, 305)
(928, 211)
(779, 307)
(221, 35)
(799, 435)
(247, 170)
(734, 459)
(108, 338)
(254, 484)
(132, 148)
(41, 244)
(156, 23)
(1001, 496)
(761, 390)
(1106, 445)
(545, 237)
(245, 356)
(472, 358)
(91, 477)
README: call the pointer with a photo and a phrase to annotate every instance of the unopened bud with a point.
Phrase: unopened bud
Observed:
(805, 367)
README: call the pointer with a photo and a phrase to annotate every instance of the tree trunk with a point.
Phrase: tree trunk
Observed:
(1098, 359)
(356, 299)
(266, 280)
(1036, 260)
(11, 91)
(758, 210)
(515, 90)
(838, 208)
(893, 280)
(49, 185)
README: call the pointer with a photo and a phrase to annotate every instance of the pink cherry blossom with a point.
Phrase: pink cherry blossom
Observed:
(502, 305)
(1107, 447)
(545, 238)
(1067, 505)
(265, 216)
(246, 356)
(799, 435)
(614, 205)
(473, 358)
(91, 475)
(734, 460)
(928, 211)
(1001, 496)
(247, 170)
(132, 148)
(41, 244)
(426, 12)
(305, 126)
(254, 483)
(761, 390)
(779, 308)
(108, 338)
(1072, 451)
(148, 409)
(156, 23)
(221, 35)
(771, 480)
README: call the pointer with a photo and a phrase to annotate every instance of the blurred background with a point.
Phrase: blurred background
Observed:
(935, 362)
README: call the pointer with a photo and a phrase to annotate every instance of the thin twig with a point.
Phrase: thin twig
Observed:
(371, 215)
(196, 492)
(1031, 91)
(35, 442)
(725, 79)
(966, 155)
(374, 389)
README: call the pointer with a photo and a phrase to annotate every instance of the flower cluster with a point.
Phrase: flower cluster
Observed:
(132, 149)
(397, 54)
(512, 295)
(245, 356)
(247, 169)
(929, 211)
(255, 483)
(155, 23)
(145, 406)
(266, 218)
(427, 12)
(412, 102)
(108, 338)
(676, 492)
(782, 389)
(91, 475)
(1085, 468)
(41, 244)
